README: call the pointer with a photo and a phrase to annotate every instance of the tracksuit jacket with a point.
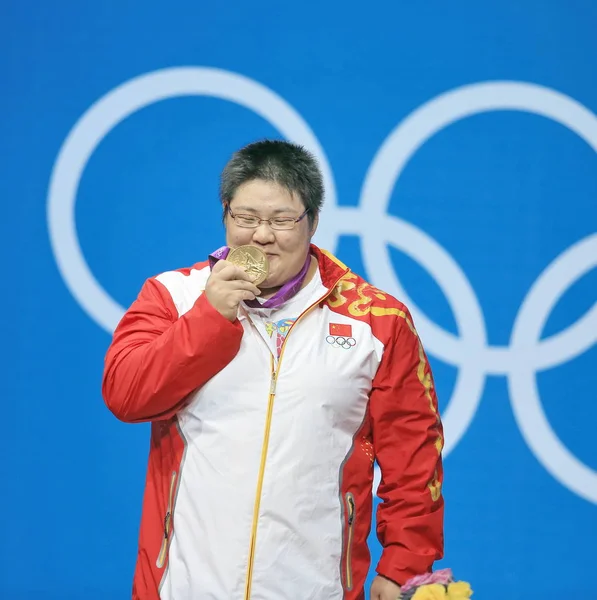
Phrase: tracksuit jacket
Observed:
(260, 471)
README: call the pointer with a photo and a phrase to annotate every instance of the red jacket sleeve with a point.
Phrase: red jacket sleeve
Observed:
(407, 439)
(156, 358)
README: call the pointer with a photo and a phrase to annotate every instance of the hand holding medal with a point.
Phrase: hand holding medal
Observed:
(255, 266)
(236, 279)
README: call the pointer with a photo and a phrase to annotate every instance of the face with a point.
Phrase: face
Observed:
(286, 250)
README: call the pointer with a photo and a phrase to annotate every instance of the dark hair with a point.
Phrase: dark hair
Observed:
(282, 162)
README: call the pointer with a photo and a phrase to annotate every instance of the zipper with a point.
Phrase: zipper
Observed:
(275, 371)
(257, 504)
(161, 561)
(350, 512)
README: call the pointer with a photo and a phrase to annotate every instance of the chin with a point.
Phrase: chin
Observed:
(269, 284)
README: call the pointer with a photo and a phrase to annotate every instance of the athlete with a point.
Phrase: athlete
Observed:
(272, 386)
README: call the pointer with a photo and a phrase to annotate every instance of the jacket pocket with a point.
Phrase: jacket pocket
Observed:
(350, 516)
(167, 525)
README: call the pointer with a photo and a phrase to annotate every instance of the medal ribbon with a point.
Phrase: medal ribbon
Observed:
(289, 289)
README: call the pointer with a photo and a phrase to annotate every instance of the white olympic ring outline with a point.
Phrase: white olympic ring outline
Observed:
(519, 362)
(346, 343)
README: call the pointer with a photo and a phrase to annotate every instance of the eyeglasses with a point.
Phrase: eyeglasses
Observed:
(253, 221)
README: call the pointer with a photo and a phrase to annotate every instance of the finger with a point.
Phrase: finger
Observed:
(244, 295)
(220, 264)
(239, 284)
(230, 272)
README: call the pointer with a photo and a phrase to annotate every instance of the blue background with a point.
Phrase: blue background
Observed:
(504, 193)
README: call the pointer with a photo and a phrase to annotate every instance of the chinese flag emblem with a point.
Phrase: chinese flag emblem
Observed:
(338, 329)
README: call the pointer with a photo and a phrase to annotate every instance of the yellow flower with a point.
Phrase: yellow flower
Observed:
(459, 590)
(433, 591)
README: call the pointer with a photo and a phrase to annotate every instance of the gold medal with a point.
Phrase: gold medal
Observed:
(252, 261)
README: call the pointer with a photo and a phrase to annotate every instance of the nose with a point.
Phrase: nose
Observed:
(263, 234)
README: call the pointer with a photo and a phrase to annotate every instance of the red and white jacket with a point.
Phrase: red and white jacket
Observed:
(260, 474)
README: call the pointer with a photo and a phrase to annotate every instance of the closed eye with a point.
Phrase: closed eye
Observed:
(247, 219)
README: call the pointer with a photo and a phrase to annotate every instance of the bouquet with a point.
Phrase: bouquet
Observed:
(435, 586)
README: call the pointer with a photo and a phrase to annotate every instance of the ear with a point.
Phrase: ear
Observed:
(314, 226)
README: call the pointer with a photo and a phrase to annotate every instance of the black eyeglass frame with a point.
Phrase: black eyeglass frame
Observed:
(268, 221)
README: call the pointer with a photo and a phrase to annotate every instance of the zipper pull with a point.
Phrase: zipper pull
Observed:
(166, 520)
(272, 386)
(350, 502)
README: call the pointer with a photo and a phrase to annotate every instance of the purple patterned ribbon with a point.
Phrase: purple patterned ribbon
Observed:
(289, 289)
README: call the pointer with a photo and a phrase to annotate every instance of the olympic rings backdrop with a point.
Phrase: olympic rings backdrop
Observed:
(458, 143)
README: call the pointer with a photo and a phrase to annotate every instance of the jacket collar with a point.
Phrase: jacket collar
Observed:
(331, 269)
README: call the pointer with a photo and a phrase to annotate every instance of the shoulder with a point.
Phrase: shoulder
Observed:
(184, 277)
(181, 286)
(355, 297)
